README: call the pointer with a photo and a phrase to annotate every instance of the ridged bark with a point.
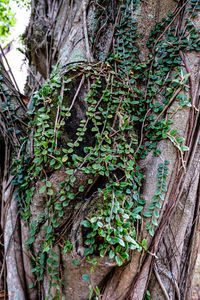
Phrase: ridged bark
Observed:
(59, 33)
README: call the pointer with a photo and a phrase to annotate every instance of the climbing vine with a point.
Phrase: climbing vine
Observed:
(125, 105)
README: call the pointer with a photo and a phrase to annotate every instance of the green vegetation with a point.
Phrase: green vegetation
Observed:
(7, 16)
(7, 19)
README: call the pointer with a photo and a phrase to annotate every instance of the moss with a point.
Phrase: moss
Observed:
(77, 55)
(92, 22)
(97, 204)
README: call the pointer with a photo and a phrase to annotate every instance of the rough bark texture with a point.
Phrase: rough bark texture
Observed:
(58, 33)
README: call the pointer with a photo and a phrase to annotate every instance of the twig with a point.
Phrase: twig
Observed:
(142, 130)
(77, 92)
(9, 69)
(170, 102)
(183, 57)
(174, 283)
(111, 39)
(57, 115)
(113, 202)
(10, 81)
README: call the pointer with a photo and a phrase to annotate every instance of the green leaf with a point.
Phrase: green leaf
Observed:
(49, 229)
(63, 198)
(180, 139)
(52, 162)
(156, 213)
(154, 222)
(151, 231)
(30, 240)
(164, 189)
(169, 122)
(107, 158)
(65, 158)
(147, 214)
(48, 184)
(50, 192)
(137, 209)
(157, 192)
(86, 223)
(75, 262)
(173, 132)
(81, 188)
(54, 255)
(148, 226)
(121, 242)
(162, 197)
(129, 239)
(42, 189)
(93, 220)
(158, 204)
(185, 148)
(87, 252)
(100, 224)
(58, 206)
(70, 172)
(125, 216)
(151, 206)
(187, 75)
(111, 254)
(86, 277)
(164, 135)
(71, 196)
(71, 145)
(144, 244)
(65, 203)
(155, 199)
(118, 260)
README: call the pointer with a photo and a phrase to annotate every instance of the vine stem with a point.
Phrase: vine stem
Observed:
(10, 71)
(77, 92)
(142, 130)
(57, 115)
(161, 284)
(174, 283)
(170, 102)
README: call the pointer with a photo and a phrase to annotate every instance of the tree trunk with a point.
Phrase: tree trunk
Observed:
(103, 197)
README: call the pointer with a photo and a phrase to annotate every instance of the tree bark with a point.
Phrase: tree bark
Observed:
(66, 33)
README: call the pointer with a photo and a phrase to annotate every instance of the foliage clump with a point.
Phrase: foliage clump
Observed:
(7, 19)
